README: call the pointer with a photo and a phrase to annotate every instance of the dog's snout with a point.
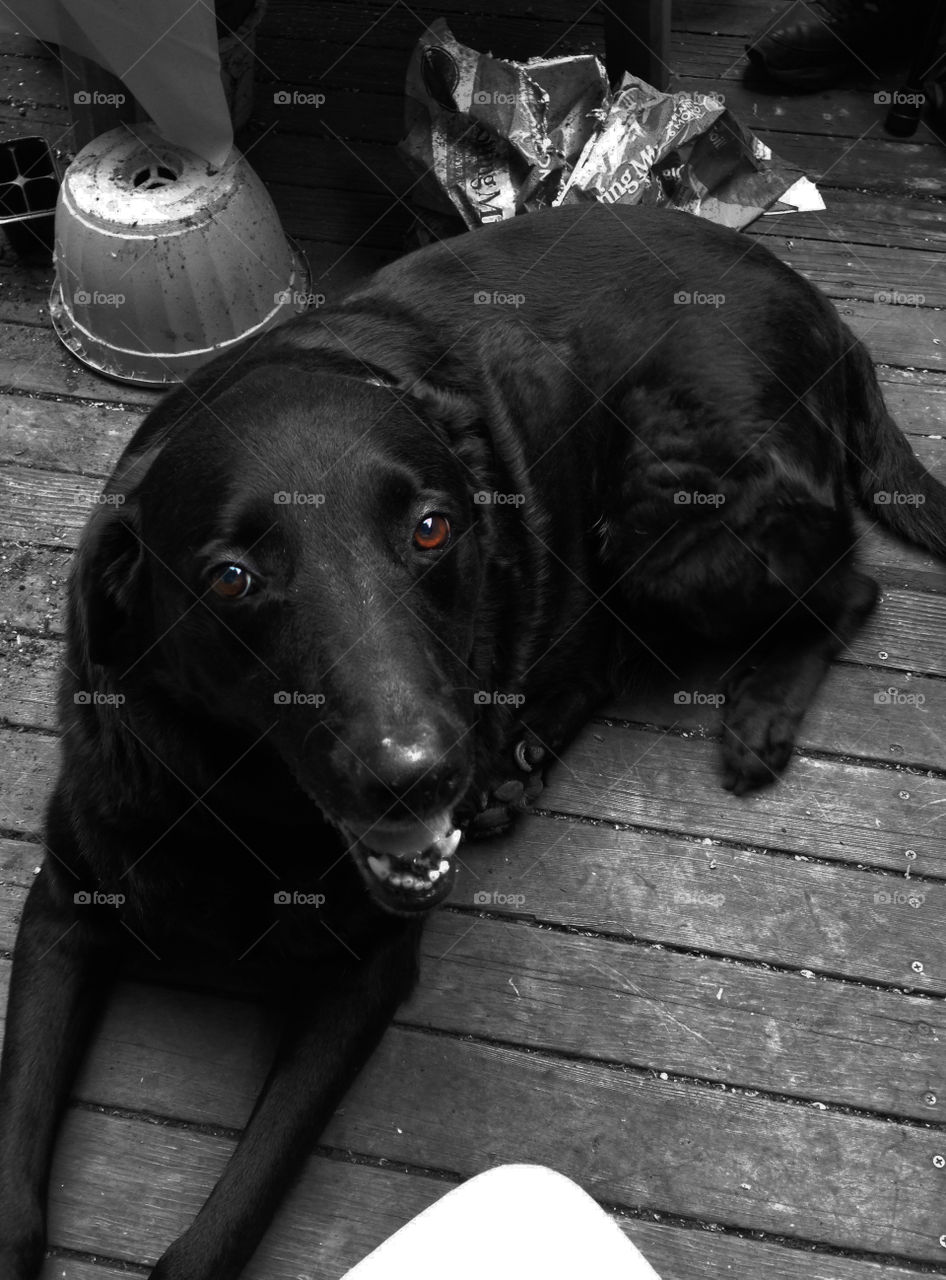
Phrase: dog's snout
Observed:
(411, 770)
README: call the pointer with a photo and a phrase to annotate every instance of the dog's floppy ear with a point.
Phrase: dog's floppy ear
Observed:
(106, 583)
(107, 590)
(453, 408)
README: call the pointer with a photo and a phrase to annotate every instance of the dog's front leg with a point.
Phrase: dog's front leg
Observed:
(332, 1031)
(59, 980)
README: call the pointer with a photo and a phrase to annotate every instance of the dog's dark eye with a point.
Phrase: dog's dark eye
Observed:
(432, 533)
(230, 582)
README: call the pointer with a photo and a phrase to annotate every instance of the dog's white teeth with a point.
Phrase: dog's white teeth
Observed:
(418, 875)
(446, 846)
(380, 866)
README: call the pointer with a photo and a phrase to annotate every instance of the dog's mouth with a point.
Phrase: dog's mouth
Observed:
(407, 868)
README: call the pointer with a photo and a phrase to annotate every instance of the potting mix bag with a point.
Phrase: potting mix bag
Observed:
(491, 139)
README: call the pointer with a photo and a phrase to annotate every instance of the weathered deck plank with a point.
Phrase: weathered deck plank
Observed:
(825, 807)
(843, 1044)
(700, 895)
(345, 1210)
(636, 1140)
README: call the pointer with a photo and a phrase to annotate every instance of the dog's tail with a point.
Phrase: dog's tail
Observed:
(891, 482)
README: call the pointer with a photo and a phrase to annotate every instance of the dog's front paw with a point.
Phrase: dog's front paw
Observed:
(758, 736)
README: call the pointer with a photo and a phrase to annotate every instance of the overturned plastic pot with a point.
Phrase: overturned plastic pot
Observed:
(161, 264)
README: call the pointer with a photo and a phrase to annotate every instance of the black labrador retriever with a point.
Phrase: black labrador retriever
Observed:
(352, 587)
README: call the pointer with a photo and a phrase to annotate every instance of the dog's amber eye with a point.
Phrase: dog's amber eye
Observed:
(432, 533)
(230, 582)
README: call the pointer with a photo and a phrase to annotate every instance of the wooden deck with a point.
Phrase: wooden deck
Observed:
(724, 1017)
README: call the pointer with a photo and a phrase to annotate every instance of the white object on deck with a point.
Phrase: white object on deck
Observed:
(512, 1221)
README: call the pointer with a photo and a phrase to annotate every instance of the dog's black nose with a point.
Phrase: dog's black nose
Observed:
(410, 771)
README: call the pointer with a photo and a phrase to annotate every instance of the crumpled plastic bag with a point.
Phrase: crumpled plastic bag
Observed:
(491, 139)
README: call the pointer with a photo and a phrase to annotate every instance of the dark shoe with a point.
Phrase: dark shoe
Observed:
(813, 45)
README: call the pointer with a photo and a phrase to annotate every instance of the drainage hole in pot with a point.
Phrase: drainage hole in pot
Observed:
(154, 176)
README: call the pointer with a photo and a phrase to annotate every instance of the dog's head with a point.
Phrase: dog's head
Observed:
(295, 559)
